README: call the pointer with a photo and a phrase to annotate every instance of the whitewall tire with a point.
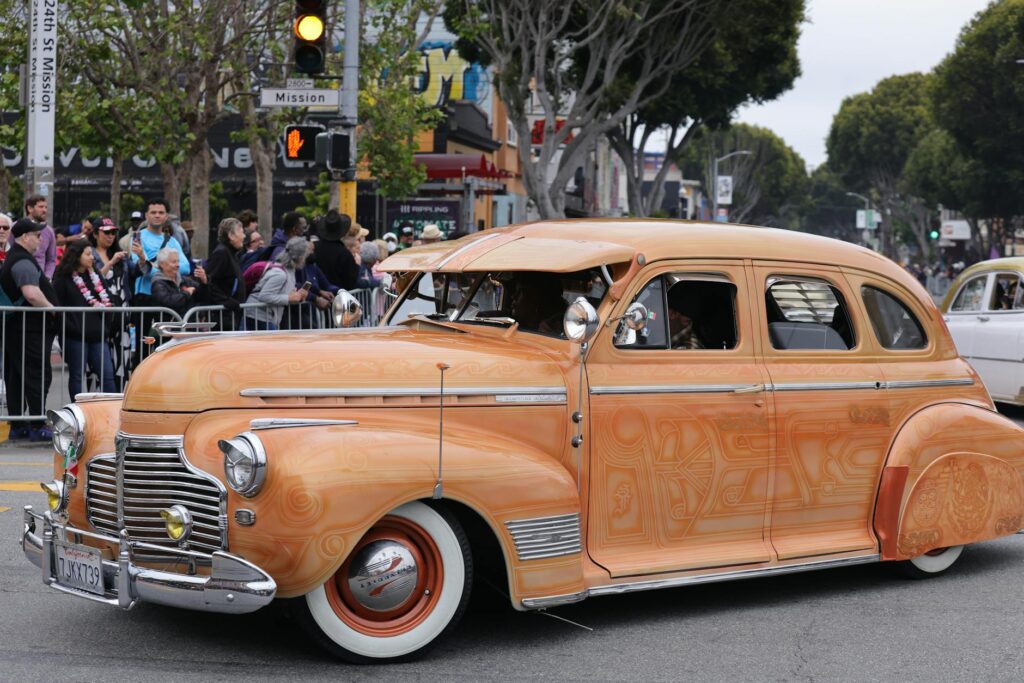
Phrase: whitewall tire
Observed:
(932, 563)
(402, 588)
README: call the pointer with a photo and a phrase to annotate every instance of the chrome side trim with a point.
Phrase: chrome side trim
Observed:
(786, 386)
(324, 392)
(919, 383)
(97, 396)
(737, 575)
(827, 386)
(541, 537)
(464, 248)
(286, 423)
(669, 389)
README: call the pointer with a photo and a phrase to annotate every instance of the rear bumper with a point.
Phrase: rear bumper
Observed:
(234, 585)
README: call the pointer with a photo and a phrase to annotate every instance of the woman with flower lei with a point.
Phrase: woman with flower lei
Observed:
(85, 344)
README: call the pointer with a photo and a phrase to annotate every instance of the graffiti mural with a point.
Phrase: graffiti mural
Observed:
(446, 76)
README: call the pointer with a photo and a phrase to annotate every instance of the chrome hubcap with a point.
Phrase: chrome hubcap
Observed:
(383, 575)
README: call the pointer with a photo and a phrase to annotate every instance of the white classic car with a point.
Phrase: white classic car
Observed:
(984, 310)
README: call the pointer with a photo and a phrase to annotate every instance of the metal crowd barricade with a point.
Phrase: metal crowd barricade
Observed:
(40, 345)
(299, 316)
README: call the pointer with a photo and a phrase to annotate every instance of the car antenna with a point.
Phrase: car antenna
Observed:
(438, 488)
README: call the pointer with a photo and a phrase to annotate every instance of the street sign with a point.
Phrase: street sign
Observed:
(868, 219)
(723, 190)
(309, 97)
(299, 83)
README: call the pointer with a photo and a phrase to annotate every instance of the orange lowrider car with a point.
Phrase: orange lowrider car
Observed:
(596, 407)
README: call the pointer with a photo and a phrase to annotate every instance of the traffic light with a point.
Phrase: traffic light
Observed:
(310, 30)
(333, 151)
(300, 142)
(934, 234)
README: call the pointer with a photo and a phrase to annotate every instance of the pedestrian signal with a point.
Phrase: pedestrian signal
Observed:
(300, 143)
(310, 30)
(333, 151)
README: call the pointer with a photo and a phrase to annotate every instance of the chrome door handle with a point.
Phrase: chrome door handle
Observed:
(983, 318)
(752, 389)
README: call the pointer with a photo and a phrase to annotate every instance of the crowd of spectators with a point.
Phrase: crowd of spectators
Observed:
(149, 265)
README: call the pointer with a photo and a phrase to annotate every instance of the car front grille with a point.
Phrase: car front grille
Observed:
(147, 475)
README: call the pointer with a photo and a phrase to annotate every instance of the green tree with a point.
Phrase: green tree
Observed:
(769, 186)
(553, 60)
(978, 98)
(828, 210)
(391, 112)
(872, 137)
(750, 61)
(13, 47)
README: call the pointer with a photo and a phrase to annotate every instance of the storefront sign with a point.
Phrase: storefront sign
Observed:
(444, 213)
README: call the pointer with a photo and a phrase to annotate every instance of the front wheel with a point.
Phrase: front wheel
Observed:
(402, 588)
(932, 563)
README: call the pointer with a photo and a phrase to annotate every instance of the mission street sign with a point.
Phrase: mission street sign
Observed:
(310, 97)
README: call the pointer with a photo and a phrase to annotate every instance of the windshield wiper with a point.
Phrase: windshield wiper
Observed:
(492, 321)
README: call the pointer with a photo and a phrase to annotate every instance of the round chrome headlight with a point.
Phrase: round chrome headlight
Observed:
(346, 309)
(580, 322)
(245, 463)
(68, 426)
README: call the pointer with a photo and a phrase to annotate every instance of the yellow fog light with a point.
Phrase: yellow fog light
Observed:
(178, 522)
(56, 495)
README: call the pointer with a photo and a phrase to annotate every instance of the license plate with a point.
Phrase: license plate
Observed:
(79, 567)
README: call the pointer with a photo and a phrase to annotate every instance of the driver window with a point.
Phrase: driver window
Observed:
(970, 296)
(685, 312)
(1006, 293)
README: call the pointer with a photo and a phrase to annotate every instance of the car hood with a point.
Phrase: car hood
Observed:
(276, 369)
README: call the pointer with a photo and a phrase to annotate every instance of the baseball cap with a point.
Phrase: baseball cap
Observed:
(23, 226)
(104, 224)
(136, 214)
(388, 236)
(407, 230)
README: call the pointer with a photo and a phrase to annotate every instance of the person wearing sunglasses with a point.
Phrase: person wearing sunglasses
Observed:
(113, 264)
(5, 232)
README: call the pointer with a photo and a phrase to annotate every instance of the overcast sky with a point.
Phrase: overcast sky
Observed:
(849, 45)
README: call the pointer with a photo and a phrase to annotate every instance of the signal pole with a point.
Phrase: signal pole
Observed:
(349, 107)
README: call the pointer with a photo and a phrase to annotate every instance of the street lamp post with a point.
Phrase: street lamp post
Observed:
(867, 207)
(714, 175)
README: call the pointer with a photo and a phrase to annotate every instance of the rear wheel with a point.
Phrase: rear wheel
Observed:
(932, 563)
(402, 588)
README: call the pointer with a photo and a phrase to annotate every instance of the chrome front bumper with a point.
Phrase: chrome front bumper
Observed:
(234, 586)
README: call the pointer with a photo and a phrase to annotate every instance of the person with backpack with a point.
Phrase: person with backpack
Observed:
(27, 370)
(226, 283)
(275, 286)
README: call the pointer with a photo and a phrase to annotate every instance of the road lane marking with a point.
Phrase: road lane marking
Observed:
(19, 486)
(3, 509)
(24, 463)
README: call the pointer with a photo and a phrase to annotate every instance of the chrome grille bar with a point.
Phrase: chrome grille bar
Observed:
(148, 474)
(542, 537)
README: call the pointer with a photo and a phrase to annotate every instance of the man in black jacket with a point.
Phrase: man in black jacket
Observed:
(27, 371)
(334, 258)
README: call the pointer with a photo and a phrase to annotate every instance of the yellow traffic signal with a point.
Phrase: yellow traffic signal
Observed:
(309, 27)
(310, 51)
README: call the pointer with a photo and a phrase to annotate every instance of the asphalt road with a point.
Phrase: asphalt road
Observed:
(859, 623)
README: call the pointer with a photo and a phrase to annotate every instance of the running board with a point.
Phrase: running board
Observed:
(655, 584)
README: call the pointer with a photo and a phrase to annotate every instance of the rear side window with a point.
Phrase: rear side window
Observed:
(971, 295)
(809, 314)
(895, 326)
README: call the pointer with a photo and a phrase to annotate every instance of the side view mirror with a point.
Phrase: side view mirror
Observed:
(580, 322)
(635, 317)
(346, 310)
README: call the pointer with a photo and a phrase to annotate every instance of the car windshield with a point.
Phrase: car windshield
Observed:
(536, 301)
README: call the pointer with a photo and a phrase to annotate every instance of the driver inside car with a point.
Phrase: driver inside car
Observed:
(681, 313)
(538, 303)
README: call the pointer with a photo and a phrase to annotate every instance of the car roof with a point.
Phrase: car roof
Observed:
(572, 245)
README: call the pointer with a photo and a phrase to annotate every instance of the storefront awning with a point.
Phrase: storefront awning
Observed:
(445, 166)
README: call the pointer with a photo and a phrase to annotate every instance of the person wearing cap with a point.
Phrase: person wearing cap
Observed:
(136, 220)
(391, 240)
(333, 257)
(36, 208)
(408, 235)
(431, 233)
(27, 374)
(113, 263)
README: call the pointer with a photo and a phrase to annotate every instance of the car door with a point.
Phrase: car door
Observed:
(963, 315)
(996, 351)
(826, 390)
(680, 443)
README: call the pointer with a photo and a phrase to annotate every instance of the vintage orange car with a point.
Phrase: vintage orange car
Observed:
(597, 407)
